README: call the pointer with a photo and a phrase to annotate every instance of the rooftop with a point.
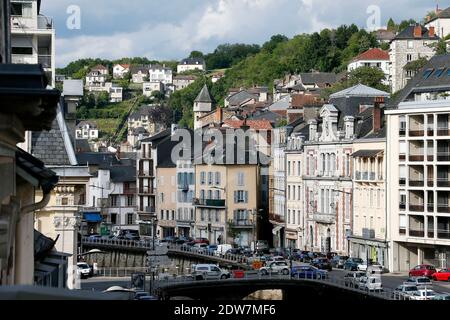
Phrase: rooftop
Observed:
(408, 33)
(360, 90)
(204, 95)
(373, 54)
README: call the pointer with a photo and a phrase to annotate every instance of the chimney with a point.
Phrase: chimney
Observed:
(219, 115)
(349, 124)
(431, 31)
(312, 129)
(417, 31)
(377, 113)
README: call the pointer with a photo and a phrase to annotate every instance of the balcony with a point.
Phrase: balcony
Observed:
(443, 208)
(443, 182)
(416, 207)
(443, 234)
(324, 218)
(23, 23)
(417, 132)
(416, 157)
(209, 203)
(23, 59)
(241, 223)
(129, 191)
(183, 187)
(150, 210)
(416, 183)
(146, 191)
(45, 23)
(443, 156)
(45, 61)
(417, 233)
(443, 131)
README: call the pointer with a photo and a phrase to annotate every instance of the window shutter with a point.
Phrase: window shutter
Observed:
(235, 197)
(246, 196)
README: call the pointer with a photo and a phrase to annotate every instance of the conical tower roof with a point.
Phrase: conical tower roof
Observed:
(204, 95)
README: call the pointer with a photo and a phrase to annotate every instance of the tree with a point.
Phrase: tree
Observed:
(102, 99)
(274, 41)
(441, 47)
(405, 23)
(196, 54)
(391, 26)
(416, 65)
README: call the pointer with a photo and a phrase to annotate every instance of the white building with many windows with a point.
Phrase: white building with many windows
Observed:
(418, 194)
(32, 36)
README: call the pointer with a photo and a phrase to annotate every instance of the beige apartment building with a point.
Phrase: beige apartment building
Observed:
(226, 203)
(368, 239)
(166, 204)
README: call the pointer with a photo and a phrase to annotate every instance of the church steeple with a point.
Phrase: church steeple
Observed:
(202, 106)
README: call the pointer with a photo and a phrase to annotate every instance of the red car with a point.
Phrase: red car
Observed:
(443, 275)
(423, 270)
(201, 240)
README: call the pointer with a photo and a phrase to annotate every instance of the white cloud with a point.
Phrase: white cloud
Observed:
(207, 24)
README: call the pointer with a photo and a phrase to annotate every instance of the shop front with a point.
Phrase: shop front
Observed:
(375, 250)
(291, 239)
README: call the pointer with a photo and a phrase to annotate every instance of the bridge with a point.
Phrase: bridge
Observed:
(139, 249)
(303, 290)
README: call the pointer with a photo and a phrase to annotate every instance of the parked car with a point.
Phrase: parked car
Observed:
(404, 291)
(338, 261)
(423, 270)
(308, 272)
(370, 284)
(182, 240)
(275, 267)
(84, 270)
(322, 263)
(442, 275)
(352, 264)
(420, 282)
(211, 249)
(209, 272)
(201, 240)
(222, 249)
(236, 251)
(423, 294)
(170, 239)
(351, 279)
(444, 296)
(276, 258)
(200, 248)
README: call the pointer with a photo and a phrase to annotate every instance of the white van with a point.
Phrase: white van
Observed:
(209, 272)
(222, 249)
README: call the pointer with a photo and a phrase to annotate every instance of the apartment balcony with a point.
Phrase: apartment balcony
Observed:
(416, 157)
(443, 208)
(44, 23)
(24, 23)
(416, 207)
(443, 182)
(45, 61)
(417, 131)
(209, 203)
(324, 218)
(24, 59)
(241, 223)
(146, 191)
(443, 131)
(183, 187)
(443, 156)
(129, 191)
(416, 183)
(150, 210)
(417, 233)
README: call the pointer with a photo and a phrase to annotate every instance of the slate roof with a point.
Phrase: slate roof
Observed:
(184, 77)
(136, 68)
(359, 90)
(241, 97)
(82, 145)
(158, 137)
(97, 158)
(373, 54)
(164, 151)
(193, 61)
(84, 122)
(421, 83)
(282, 104)
(384, 35)
(318, 77)
(266, 115)
(408, 33)
(123, 173)
(49, 147)
(204, 95)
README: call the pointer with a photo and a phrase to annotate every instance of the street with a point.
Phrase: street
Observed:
(390, 281)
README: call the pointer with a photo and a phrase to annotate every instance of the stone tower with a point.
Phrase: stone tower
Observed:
(202, 106)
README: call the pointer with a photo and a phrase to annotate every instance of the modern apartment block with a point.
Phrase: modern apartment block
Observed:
(32, 37)
(418, 187)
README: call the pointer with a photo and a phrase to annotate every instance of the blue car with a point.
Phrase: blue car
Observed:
(211, 249)
(308, 272)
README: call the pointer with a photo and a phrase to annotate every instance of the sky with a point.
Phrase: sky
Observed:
(171, 29)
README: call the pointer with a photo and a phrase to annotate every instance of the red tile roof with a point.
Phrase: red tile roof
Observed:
(253, 124)
(373, 54)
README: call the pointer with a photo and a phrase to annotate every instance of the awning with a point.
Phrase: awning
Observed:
(366, 153)
(276, 229)
(92, 216)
